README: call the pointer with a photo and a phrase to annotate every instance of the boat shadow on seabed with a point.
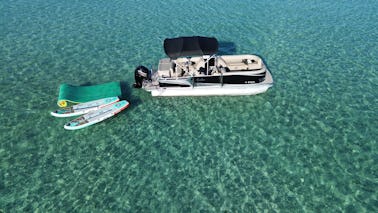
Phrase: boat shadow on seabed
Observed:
(226, 48)
(126, 94)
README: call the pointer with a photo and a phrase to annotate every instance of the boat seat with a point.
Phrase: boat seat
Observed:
(183, 64)
(200, 63)
(242, 62)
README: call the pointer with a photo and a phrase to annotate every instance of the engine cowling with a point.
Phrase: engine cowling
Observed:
(141, 73)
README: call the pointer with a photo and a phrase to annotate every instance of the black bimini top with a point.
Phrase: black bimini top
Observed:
(190, 46)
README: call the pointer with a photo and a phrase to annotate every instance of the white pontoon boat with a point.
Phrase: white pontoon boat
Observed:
(194, 69)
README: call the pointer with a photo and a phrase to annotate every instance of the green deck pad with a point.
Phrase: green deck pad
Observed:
(69, 94)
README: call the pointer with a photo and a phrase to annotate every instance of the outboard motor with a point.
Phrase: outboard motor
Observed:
(141, 73)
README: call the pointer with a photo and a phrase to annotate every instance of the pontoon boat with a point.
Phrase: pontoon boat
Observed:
(194, 69)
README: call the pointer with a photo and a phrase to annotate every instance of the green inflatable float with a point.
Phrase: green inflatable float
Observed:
(70, 94)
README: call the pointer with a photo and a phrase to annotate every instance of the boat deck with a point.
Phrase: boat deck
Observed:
(207, 66)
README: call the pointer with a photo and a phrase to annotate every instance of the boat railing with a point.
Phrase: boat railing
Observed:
(182, 67)
(207, 60)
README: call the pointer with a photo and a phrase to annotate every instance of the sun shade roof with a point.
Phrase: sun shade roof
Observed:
(190, 46)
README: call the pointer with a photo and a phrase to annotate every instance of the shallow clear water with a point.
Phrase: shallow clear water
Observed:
(308, 144)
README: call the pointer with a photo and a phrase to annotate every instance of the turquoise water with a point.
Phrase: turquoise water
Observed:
(307, 145)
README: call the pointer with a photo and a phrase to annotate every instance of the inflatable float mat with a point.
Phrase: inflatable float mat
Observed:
(69, 94)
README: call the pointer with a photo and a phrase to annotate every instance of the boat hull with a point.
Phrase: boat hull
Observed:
(218, 90)
(214, 89)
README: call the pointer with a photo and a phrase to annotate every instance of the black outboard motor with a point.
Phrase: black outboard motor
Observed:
(141, 73)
